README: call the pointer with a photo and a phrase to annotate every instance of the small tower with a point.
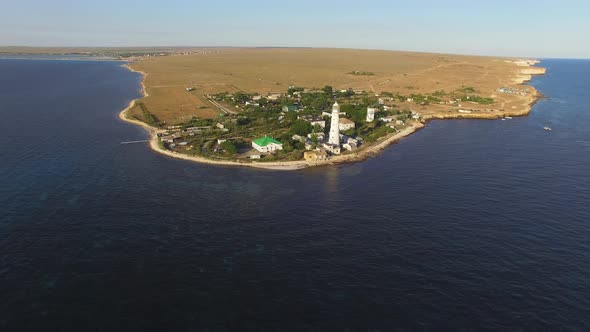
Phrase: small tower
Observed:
(371, 114)
(334, 137)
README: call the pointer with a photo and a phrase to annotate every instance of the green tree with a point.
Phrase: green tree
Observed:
(240, 97)
(301, 128)
(288, 147)
(291, 117)
(349, 132)
(229, 147)
(243, 121)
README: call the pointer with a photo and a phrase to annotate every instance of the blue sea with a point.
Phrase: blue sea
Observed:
(465, 225)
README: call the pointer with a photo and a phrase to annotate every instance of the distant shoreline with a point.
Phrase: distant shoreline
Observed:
(359, 155)
(50, 57)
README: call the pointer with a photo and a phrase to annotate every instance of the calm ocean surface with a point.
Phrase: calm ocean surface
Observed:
(465, 225)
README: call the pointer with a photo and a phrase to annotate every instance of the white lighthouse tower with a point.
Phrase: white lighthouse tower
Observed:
(371, 114)
(334, 138)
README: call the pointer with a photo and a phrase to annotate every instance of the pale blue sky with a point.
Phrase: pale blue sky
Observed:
(558, 28)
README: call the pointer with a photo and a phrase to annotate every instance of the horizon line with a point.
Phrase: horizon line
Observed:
(285, 47)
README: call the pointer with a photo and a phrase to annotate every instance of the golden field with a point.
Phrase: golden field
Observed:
(275, 69)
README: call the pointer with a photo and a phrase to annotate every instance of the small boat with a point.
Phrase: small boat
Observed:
(547, 128)
(508, 117)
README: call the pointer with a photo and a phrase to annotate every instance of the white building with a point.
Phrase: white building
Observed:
(371, 114)
(334, 149)
(274, 96)
(334, 138)
(314, 121)
(319, 136)
(350, 146)
(345, 124)
(267, 144)
(318, 122)
(388, 118)
(298, 138)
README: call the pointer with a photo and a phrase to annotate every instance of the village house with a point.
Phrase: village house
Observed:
(345, 124)
(267, 144)
(314, 121)
(274, 96)
(350, 140)
(320, 136)
(349, 146)
(388, 118)
(167, 139)
(315, 155)
(318, 122)
(334, 149)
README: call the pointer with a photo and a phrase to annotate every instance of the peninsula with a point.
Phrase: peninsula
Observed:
(289, 108)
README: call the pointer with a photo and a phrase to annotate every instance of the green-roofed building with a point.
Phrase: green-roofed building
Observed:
(267, 144)
(290, 108)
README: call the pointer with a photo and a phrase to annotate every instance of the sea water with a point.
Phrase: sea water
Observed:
(466, 224)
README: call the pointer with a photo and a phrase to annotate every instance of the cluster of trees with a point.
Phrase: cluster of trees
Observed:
(301, 128)
(229, 147)
(316, 101)
(345, 94)
(356, 113)
(294, 89)
(439, 93)
(467, 89)
(196, 122)
(240, 97)
(478, 100)
(361, 73)
(255, 121)
(148, 117)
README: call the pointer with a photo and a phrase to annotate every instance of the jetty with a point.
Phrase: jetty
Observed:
(134, 142)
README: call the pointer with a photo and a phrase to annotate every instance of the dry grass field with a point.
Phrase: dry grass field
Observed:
(274, 70)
